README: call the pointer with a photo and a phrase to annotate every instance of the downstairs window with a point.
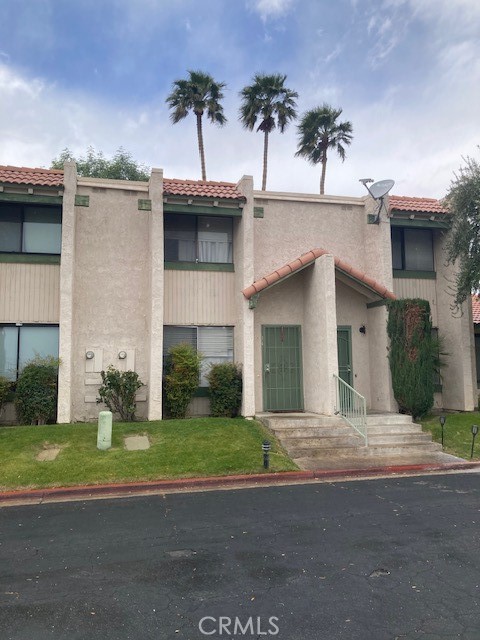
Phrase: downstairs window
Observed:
(214, 343)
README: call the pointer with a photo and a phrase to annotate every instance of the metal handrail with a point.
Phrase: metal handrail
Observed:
(352, 406)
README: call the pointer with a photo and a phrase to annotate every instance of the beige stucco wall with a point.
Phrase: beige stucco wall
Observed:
(112, 292)
(352, 311)
(456, 328)
(199, 297)
(244, 250)
(29, 293)
(320, 358)
(292, 226)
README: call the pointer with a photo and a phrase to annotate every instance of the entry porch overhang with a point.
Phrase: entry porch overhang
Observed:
(345, 272)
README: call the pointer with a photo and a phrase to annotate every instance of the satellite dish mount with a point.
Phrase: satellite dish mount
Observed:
(378, 191)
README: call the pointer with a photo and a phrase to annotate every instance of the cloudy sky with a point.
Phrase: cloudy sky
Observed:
(75, 73)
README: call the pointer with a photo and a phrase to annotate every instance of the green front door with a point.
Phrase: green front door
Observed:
(282, 368)
(344, 348)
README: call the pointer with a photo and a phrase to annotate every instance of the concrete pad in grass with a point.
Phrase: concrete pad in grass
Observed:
(137, 443)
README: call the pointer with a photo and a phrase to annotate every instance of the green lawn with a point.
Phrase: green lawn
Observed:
(457, 433)
(179, 448)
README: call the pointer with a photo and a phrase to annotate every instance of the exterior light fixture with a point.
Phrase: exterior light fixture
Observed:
(122, 355)
(474, 434)
(363, 329)
(266, 446)
(89, 355)
(442, 419)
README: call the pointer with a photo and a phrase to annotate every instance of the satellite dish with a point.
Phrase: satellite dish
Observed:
(380, 189)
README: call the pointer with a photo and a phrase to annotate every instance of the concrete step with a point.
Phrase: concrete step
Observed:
(388, 418)
(322, 443)
(293, 423)
(394, 428)
(405, 450)
(312, 432)
(397, 438)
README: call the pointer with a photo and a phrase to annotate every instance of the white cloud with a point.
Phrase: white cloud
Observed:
(270, 8)
(415, 137)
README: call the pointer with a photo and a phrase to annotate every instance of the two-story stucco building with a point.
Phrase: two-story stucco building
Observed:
(292, 286)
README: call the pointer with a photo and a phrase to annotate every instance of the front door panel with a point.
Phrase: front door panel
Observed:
(344, 346)
(282, 368)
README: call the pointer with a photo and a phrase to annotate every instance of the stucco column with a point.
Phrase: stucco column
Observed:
(155, 323)
(381, 391)
(244, 276)
(456, 328)
(320, 357)
(67, 266)
(378, 246)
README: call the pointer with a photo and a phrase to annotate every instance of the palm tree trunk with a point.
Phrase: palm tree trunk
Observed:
(265, 161)
(201, 148)
(324, 170)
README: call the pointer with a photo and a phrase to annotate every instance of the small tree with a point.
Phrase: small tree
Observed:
(181, 378)
(94, 165)
(118, 392)
(225, 381)
(36, 392)
(413, 355)
(463, 241)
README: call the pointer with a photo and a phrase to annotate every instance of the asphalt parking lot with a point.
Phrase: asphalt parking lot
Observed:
(364, 560)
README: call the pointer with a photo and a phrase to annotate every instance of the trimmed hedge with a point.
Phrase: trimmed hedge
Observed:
(225, 380)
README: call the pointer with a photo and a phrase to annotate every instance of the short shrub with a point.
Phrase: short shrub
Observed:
(5, 390)
(118, 392)
(182, 373)
(36, 391)
(225, 391)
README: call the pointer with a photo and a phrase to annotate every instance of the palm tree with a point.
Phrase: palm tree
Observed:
(268, 101)
(198, 93)
(320, 131)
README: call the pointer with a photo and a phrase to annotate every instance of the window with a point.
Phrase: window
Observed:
(198, 238)
(29, 229)
(18, 345)
(214, 343)
(412, 249)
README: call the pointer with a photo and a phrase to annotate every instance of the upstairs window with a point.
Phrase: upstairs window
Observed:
(30, 229)
(198, 239)
(412, 249)
(18, 345)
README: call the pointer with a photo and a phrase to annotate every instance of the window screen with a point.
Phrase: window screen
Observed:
(418, 250)
(180, 232)
(10, 229)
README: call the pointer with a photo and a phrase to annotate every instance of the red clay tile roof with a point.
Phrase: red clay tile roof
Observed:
(199, 188)
(419, 205)
(308, 258)
(476, 309)
(35, 177)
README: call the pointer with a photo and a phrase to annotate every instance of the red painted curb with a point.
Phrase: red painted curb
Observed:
(132, 488)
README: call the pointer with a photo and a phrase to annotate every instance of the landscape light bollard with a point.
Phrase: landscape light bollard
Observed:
(104, 435)
(266, 446)
(474, 434)
(442, 423)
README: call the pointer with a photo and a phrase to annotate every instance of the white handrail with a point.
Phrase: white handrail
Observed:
(352, 406)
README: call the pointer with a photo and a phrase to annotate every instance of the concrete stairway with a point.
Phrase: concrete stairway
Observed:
(328, 442)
